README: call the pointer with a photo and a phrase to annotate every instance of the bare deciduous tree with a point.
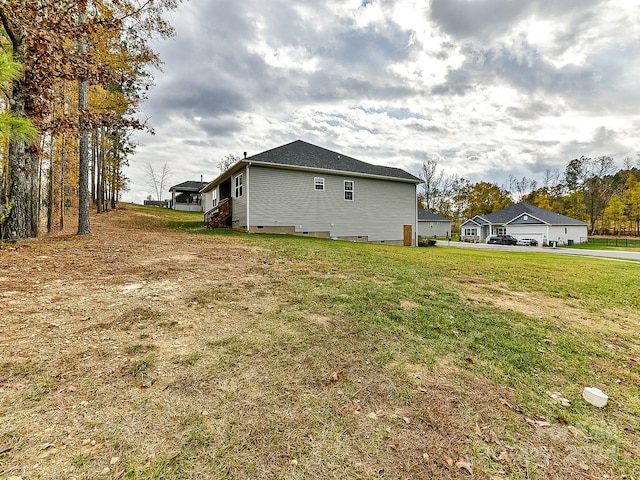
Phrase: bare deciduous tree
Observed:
(158, 179)
(226, 161)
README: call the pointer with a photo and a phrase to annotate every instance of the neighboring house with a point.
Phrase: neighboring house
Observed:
(433, 225)
(303, 189)
(186, 196)
(525, 221)
(156, 203)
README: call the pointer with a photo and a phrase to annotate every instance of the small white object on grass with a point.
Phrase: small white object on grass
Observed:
(595, 396)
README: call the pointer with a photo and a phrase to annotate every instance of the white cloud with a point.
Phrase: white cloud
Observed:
(491, 88)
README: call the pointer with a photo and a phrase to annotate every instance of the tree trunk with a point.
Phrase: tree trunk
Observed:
(99, 177)
(84, 226)
(52, 187)
(95, 138)
(23, 166)
(63, 161)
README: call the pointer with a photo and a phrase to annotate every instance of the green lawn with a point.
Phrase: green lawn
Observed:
(527, 322)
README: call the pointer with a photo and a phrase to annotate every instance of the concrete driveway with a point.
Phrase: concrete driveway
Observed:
(610, 254)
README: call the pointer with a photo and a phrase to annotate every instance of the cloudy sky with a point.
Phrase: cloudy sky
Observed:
(489, 88)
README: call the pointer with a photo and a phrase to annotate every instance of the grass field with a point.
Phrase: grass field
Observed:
(534, 323)
(328, 359)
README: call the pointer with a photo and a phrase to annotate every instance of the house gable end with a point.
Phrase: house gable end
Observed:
(470, 222)
(526, 219)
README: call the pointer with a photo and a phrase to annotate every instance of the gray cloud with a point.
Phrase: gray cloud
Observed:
(463, 19)
(247, 76)
(483, 20)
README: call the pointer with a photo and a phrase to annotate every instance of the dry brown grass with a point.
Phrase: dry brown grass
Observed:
(137, 354)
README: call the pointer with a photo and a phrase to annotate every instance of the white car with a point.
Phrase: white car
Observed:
(528, 242)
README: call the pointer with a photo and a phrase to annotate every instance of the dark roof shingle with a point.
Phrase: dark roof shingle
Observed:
(305, 155)
(511, 212)
(429, 216)
(188, 186)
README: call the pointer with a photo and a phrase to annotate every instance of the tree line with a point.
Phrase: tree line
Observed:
(591, 189)
(73, 74)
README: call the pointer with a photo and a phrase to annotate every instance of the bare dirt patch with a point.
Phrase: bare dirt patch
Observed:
(537, 305)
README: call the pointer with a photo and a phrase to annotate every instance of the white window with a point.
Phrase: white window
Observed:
(470, 232)
(239, 184)
(214, 198)
(348, 190)
(501, 230)
(318, 184)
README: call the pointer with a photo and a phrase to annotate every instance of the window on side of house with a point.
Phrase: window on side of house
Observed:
(239, 185)
(214, 195)
(348, 190)
(501, 230)
(318, 184)
(470, 232)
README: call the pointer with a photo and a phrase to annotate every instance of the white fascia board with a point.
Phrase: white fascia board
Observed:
(224, 175)
(470, 220)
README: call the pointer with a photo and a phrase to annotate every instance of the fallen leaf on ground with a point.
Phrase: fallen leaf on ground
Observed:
(576, 431)
(561, 399)
(635, 451)
(504, 457)
(4, 449)
(478, 431)
(448, 461)
(68, 388)
(494, 438)
(422, 389)
(537, 423)
(337, 376)
(464, 466)
(15, 386)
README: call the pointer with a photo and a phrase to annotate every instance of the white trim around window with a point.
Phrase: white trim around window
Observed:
(349, 190)
(318, 184)
(239, 183)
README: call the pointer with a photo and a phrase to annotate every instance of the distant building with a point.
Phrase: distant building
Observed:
(303, 189)
(432, 225)
(186, 196)
(525, 221)
(157, 203)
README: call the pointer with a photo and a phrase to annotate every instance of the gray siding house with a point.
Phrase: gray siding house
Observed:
(431, 225)
(303, 189)
(525, 221)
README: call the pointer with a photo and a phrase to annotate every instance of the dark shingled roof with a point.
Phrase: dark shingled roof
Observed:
(511, 212)
(188, 186)
(305, 155)
(428, 216)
